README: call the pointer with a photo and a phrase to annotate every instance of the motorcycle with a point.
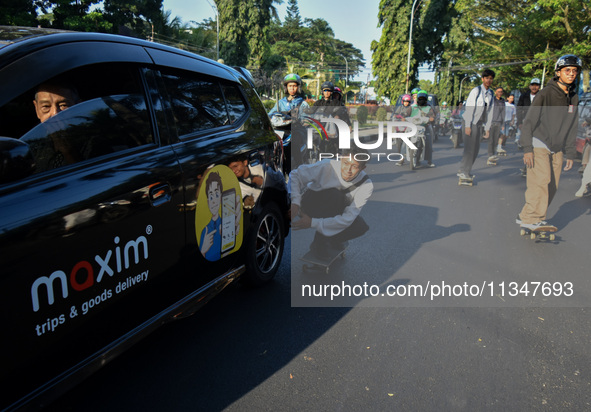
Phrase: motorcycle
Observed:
(415, 155)
(282, 125)
(456, 131)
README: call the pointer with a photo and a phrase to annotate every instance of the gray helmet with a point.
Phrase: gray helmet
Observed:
(327, 85)
(568, 60)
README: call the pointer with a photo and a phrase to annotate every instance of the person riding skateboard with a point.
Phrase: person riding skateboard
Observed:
(549, 128)
(328, 196)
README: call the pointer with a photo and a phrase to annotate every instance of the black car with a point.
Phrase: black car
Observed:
(154, 185)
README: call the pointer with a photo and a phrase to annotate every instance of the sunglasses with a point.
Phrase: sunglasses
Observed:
(327, 90)
(569, 71)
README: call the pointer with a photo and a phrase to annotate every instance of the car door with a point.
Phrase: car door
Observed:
(207, 115)
(90, 247)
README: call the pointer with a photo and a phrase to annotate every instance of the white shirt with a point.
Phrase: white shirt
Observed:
(476, 105)
(510, 111)
(327, 175)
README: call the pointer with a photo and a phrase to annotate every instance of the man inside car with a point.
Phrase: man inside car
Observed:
(52, 98)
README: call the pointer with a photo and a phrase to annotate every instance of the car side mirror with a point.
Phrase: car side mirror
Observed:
(16, 160)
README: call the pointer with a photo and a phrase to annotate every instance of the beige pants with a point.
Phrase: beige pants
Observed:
(542, 183)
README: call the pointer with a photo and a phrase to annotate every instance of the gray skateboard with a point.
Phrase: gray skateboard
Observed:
(313, 262)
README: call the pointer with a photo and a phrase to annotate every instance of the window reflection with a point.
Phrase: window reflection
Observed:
(90, 129)
(197, 104)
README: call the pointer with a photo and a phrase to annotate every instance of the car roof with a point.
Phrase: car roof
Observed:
(17, 41)
(21, 42)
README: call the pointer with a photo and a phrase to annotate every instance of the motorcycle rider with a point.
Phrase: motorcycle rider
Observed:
(414, 93)
(445, 115)
(295, 106)
(328, 106)
(337, 95)
(401, 113)
(422, 108)
(293, 103)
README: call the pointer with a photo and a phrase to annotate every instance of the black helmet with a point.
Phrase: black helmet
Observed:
(568, 60)
(328, 85)
(422, 98)
(292, 78)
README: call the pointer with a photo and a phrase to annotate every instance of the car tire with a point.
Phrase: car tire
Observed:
(264, 246)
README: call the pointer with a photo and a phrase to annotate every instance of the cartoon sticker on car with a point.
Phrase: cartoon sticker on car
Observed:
(218, 214)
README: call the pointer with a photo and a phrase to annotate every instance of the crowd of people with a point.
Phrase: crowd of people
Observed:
(543, 123)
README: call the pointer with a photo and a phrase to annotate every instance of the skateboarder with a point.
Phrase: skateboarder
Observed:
(550, 127)
(498, 120)
(328, 197)
(478, 114)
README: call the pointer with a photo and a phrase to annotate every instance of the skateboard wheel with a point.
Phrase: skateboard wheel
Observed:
(552, 236)
(523, 232)
(532, 235)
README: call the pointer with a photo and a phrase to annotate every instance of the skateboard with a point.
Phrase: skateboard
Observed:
(501, 153)
(491, 162)
(542, 232)
(314, 262)
(466, 182)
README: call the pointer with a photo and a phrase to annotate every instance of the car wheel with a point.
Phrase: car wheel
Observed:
(265, 246)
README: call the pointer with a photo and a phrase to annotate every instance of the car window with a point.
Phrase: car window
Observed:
(197, 102)
(235, 101)
(109, 115)
(90, 129)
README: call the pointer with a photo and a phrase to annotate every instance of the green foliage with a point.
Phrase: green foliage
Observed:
(243, 30)
(431, 24)
(362, 113)
(381, 114)
(310, 48)
(17, 13)
(268, 104)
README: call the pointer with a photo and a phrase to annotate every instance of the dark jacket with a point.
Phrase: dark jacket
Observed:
(552, 118)
(333, 108)
(522, 106)
(404, 111)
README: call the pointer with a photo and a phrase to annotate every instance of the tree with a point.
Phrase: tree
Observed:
(137, 17)
(17, 13)
(243, 30)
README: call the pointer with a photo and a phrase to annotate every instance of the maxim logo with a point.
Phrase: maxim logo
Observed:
(85, 274)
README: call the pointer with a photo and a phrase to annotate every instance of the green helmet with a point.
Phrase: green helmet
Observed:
(292, 78)
(416, 90)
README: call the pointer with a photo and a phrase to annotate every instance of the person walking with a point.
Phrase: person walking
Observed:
(548, 130)
(498, 119)
(476, 116)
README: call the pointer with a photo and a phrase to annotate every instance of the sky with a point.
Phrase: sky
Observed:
(353, 21)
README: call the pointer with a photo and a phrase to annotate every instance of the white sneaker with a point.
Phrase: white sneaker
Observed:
(532, 226)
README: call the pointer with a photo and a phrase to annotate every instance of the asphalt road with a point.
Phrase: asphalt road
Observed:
(250, 350)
